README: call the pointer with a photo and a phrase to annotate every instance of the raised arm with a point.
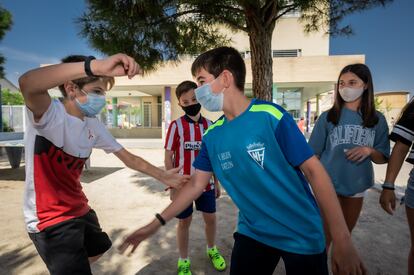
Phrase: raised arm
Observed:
(35, 83)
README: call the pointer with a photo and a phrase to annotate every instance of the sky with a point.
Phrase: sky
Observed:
(44, 31)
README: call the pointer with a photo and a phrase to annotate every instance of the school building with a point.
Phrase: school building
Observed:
(391, 103)
(303, 72)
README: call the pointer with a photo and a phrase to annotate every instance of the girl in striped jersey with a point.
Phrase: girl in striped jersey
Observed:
(403, 136)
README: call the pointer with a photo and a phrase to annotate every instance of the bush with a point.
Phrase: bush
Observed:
(10, 98)
(6, 127)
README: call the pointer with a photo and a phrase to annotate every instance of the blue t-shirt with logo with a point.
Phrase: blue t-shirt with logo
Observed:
(330, 142)
(256, 157)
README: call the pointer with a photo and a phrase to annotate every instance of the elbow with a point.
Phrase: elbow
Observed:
(382, 161)
(129, 165)
(129, 161)
(23, 83)
(132, 163)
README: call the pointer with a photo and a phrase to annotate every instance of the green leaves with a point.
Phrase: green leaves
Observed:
(9, 98)
(5, 25)
(154, 31)
(163, 30)
(327, 15)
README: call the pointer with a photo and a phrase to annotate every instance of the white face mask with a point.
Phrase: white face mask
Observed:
(351, 94)
(211, 101)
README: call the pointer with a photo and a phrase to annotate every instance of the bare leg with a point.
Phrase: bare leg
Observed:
(210, 221)
(351, 208)
(183, 233)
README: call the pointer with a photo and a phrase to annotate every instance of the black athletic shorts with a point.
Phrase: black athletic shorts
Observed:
(65, 247)
(252, 257)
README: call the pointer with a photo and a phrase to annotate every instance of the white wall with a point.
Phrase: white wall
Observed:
(288, 35)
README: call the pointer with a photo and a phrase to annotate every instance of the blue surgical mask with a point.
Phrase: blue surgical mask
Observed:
(211, 101)
(93, 105)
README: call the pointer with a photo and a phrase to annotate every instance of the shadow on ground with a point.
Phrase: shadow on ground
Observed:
(111, 263)
(17, 174)
(160, 251)
(88, 176)
(95, 173)
(149, 183)
(17, 259)
(162, 248)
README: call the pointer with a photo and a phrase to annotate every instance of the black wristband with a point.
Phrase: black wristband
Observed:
(160, 218)
(87, 66)
(388, 187)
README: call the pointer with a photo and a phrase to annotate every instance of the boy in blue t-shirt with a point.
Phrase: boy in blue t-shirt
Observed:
(264, 163)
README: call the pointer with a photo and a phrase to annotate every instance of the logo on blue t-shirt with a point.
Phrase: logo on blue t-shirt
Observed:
(257, 152)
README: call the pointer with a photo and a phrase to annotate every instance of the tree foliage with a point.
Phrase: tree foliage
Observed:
(162, 30)
(5, 25)
(9, 98)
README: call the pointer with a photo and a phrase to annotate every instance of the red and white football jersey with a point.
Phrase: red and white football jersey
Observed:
(184, 138)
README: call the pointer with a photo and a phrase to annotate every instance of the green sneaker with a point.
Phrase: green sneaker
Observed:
(183, 267)
(216, 259)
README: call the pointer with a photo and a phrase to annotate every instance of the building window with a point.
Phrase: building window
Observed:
(287, 53)
(290, 100)
(147, 114)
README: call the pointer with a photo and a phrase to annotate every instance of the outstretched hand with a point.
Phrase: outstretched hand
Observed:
(345, 260)
(387, 201)
(174, 179)
(116, 65)
(137, 237)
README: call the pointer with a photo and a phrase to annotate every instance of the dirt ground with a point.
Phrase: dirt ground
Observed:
(125, 199)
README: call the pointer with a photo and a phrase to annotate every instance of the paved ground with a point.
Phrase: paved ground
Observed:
(125, 199)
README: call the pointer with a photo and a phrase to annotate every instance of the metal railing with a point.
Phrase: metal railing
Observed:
(13, 116)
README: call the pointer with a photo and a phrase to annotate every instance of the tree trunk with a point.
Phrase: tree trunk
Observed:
(262, 62)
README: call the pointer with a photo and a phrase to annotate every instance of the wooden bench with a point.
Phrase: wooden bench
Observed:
(14, 144)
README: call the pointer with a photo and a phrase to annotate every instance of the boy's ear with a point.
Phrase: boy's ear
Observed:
(227, 77)
(70, 89)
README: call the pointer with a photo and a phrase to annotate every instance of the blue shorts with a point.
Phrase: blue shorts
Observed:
(409, 192)
(205, 203)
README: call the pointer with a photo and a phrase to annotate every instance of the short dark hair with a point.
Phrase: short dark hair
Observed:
(84, 80)
(184, 87)
(367, 107)
(223, 58)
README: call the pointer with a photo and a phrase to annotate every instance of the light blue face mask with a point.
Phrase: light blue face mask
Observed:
(93, 105)
(213, 102)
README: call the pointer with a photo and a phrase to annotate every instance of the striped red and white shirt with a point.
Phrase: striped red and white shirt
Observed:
(184, 138)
